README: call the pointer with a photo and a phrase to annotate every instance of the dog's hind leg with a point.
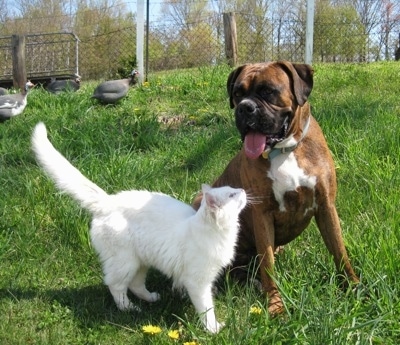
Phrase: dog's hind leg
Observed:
(329, 226)
(264, 239)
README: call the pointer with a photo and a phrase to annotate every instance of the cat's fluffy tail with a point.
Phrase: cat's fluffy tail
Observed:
(65, 175)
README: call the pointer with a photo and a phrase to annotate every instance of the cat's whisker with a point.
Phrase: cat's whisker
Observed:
(253, 199)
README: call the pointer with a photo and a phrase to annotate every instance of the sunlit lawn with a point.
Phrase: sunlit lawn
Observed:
(170, 135)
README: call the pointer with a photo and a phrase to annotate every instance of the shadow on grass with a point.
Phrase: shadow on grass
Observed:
(93, 306)
(211, 147)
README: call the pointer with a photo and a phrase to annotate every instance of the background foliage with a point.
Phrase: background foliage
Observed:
(186, 34)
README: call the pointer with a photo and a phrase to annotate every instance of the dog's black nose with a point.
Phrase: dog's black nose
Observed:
(246, 107)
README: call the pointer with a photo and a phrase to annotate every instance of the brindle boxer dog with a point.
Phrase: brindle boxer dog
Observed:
(285, 165)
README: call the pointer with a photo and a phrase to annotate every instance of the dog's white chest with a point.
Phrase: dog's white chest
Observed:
(286, 175)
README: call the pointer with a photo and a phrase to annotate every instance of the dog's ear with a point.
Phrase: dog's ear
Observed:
(302, 76)
(231, 82)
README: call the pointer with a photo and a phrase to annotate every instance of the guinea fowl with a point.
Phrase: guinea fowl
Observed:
(112, 91)
(14, 104)
(3, 91)
(58, 86)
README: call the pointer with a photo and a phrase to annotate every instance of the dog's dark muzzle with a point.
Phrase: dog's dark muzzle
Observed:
(247, 109)
(247, 116)
(263, 118)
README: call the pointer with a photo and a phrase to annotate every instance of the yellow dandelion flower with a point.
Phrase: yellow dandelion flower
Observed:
(146, 84)
(174, 334)
(150, 329)
(190, 343)
(255, 310)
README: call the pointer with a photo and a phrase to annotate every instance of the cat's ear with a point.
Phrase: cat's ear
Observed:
(205, 188)
(211, 201)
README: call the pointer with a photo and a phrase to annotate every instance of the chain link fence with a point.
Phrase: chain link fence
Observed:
(195, 44)
(110, 55)
(202, 44)
(264, 39)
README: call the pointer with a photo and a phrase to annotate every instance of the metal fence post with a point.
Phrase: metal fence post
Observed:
(140, 38)
(308, 55)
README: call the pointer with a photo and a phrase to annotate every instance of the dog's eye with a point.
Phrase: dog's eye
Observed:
(267, 91)
(237, 94)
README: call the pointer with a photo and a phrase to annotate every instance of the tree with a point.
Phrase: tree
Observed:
(390, 21)
(195, 39)
(369, 13)
(38, 16)
(288, 21)
(184, 14)
(290, 28)
(107, 33)
(3, 12)
(254, 30)
(338, 33)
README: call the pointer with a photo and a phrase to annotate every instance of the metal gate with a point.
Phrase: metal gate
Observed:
(47, 55)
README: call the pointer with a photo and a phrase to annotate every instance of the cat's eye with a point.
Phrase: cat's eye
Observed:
(232, 195)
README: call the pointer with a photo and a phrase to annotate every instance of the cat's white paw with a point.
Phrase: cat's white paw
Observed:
(154, 297)
(128, 306)
(215, 327)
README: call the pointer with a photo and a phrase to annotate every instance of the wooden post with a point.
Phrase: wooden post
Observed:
(19, 67)
(230, 38)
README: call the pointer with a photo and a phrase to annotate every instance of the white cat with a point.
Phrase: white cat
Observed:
(134, 230)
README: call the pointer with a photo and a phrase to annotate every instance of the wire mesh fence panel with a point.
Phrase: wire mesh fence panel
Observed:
(344, 31)
(111, 55)
(52, 55)
(46, 55)
(202, 44)
(264, 38)
(6, 65)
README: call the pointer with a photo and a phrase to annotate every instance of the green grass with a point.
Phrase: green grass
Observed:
(171, 135)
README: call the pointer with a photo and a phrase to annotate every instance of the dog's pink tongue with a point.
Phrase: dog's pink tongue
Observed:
(254, 144)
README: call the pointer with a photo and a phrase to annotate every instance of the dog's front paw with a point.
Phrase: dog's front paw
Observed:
(275, 304)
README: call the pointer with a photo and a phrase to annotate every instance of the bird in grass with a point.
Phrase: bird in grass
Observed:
(112, 91)
(14, 104)
(58, 86)
(3, 91)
